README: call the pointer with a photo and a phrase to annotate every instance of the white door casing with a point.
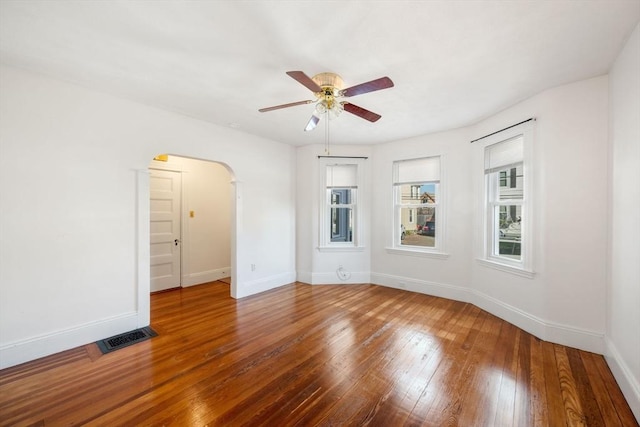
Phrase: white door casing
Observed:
(165, 215)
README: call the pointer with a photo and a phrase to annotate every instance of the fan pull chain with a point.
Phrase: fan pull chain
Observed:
(326, 133)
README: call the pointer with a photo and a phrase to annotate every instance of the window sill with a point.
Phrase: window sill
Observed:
(340, 248)
(506, 268)
(418, 253)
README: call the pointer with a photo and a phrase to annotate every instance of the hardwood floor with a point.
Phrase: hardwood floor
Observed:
(318, 355)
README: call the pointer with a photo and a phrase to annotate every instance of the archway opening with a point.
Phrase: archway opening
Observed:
(191, 223)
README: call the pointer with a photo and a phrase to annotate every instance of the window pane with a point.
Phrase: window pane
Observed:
(511, 184)
(341, 196)
(421, 232)
(509, 222)
(341, 224)
(418, 193)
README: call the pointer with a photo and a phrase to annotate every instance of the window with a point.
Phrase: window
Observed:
(341, 215)
(417, 208)
(505, 200)
(505, 203)
(339, 209)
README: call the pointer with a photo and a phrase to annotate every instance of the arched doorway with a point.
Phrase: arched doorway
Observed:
(143, 237)
(190, 222)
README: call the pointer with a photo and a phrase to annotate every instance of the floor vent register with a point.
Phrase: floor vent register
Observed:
(125, 340)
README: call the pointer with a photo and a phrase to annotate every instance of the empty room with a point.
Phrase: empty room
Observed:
(311, 213)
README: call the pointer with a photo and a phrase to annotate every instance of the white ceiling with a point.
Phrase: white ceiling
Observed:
(452, 62)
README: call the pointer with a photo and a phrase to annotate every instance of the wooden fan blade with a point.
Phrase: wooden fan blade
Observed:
(313, 121)
(373, 85)
(291, 104)
(305, 80)
(361, 112)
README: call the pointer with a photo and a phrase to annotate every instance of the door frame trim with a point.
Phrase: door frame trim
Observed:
(143, 258)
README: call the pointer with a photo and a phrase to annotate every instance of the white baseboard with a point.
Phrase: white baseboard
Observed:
(205, 276)
(546, 330)
(333, 279)
(582, 339)
(457, 293)
(629, 385)
(22, 351)
(252, 287)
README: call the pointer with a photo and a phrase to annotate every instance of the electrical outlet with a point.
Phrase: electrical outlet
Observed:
(253, 267)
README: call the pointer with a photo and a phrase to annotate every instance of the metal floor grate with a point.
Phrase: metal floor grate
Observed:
(124, 340)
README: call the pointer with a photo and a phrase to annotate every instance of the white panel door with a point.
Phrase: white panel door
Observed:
(165, 201)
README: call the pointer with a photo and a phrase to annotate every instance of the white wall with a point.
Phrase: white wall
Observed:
(74, 210)
(564, 301)
(206, 236)
(450, 276)
(623, 314)
(315, 266)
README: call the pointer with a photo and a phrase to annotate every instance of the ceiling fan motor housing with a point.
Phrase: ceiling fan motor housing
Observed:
(331, 85)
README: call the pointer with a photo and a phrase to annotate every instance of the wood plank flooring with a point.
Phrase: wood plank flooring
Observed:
(318, 355)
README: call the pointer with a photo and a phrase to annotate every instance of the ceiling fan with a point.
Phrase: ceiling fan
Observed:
(328, 88)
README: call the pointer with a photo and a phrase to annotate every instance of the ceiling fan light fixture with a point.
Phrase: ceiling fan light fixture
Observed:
(330, 107)
(321, 107)
(335, 110)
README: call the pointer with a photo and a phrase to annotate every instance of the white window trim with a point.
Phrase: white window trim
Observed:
(416, 251)
(485, 258)
(506, 268)
(437, 252)
(324, 240)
